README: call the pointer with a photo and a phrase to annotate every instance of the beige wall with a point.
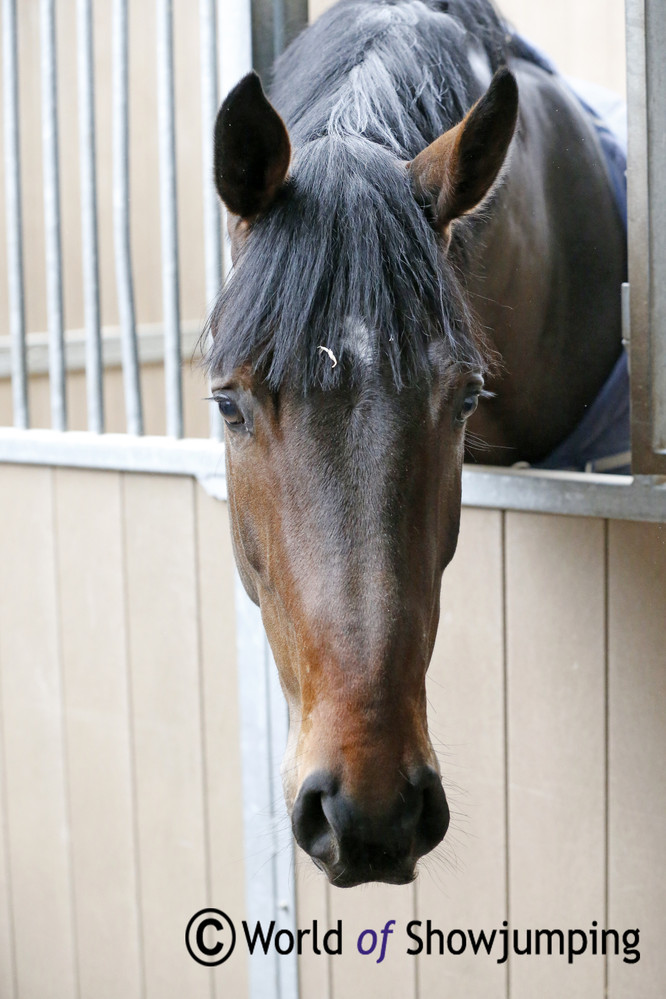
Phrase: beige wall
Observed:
(120, 809)
(585, 38)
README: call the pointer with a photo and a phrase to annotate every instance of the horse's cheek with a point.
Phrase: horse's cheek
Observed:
(244, 535)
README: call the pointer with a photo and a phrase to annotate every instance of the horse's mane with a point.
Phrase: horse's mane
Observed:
(389, 70)
(369, 85)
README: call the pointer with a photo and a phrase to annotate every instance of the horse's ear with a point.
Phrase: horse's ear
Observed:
(455, 172)
(252, 150)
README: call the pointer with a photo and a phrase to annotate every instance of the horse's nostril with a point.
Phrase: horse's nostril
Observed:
(312, 829)
(433, 820)
(336, 830)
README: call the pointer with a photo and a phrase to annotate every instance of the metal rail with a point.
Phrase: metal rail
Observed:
(121, 219)
(90, 261)
(274, 24)
(150, 343)
(169, 219)
(13, 214)
(211, 204)
(49, 94)
(578, 494)
(646, 191)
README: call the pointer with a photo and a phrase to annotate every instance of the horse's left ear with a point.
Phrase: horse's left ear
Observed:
(252, 150)
(456, 171)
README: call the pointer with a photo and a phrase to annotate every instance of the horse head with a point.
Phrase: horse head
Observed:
(345, 364)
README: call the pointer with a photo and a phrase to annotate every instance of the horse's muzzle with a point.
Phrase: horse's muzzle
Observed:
(353, 846)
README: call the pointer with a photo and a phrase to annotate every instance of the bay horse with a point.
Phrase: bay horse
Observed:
(415, 249)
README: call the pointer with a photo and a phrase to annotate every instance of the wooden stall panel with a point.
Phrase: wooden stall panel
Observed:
(219, 687)
(164, 655)
(32, 739)
(556, 739)
(7, 966)
(637, 757)
(463, 886)
(89, 542)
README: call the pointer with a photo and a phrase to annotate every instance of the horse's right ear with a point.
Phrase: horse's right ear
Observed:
(252, 150)
(454, 174)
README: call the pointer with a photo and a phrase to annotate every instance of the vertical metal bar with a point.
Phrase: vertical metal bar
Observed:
(278, 28)
(646, 209)
(13, 215)
(52, 216)
(235, 60)
(235, 41)
(262, 38)
(211, 208)
(255, 770)
(121, 221)
(94, 363)
(655, 86)
(269, 858)
(234, 33)
(638, 218)
(295, 17)
(626, 319)
(169, 219)
(274, 24)
(283, 841)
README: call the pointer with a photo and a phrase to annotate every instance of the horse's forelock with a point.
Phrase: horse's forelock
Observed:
(345, 242)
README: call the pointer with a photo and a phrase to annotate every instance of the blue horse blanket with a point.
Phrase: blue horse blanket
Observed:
(602, 440)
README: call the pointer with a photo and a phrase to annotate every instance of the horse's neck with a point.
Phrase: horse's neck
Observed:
(544, 277)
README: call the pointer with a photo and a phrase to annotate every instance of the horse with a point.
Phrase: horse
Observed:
(424, 239)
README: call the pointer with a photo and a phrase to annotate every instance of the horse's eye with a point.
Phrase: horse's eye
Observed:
(469, 404)
(230, 411)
